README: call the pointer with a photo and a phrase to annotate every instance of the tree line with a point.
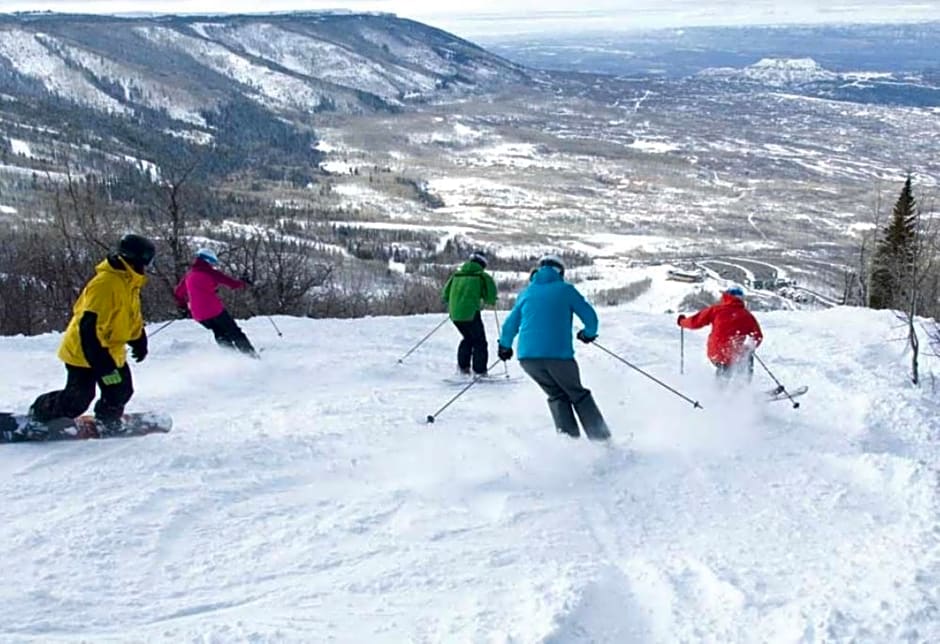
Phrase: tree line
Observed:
(299, 262)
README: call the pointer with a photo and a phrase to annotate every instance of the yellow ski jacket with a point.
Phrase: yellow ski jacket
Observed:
(114, 296)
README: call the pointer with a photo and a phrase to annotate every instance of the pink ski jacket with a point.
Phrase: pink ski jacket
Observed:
(198, 287)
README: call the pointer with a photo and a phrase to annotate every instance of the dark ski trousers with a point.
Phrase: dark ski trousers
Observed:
(227, 333)
(79, 391)
(561, 381)
(473, 346)
(743, 368)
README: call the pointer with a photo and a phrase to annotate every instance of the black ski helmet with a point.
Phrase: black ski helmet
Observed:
(479, 257)
(136, 249)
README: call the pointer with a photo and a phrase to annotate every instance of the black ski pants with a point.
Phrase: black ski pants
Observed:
(472, 347)
(561, 382)
(79, 391)
(227, 333)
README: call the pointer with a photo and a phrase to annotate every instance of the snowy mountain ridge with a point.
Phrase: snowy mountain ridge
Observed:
(301, 497)
(776, 72)
(187, 65)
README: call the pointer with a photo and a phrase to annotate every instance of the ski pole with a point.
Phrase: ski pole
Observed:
(162, 326)
(254, 296)
(662, 384)
(498, 327)
(681, 351)
(432, 417)
(780, 386)
(274, 324)
(423, 340)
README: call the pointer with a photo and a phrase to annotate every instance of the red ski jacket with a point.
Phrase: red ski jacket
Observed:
(732, 327)
(198, 290)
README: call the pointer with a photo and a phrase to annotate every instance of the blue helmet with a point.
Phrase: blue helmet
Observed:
(207, 255)
(735, 291)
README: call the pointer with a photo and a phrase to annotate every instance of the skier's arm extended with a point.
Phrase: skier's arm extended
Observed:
(225, 280)
(700, 319)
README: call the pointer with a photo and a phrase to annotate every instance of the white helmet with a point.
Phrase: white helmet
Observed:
(208, 255)
(555, 262)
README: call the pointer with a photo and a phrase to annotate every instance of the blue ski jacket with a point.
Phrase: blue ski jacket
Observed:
(542, 317)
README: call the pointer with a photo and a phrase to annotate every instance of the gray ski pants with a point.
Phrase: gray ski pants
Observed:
(561, 382)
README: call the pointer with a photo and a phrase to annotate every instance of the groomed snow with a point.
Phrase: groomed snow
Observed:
(302, 498)
(653, 147)
(20, 147)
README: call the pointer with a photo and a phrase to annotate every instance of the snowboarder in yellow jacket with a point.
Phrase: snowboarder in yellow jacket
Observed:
(105, 318)
(466, 292)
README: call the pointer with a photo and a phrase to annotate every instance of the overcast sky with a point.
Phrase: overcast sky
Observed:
(483, 17)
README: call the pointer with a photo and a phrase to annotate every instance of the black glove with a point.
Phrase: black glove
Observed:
(182, 312)
(246, 279)
(680, 319)
(139, 347)
(586, 339)
(504, 353)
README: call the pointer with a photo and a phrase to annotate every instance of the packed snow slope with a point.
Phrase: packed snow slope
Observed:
(302, 497)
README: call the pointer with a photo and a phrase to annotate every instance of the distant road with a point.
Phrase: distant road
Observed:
(742, 271)
(747, 271)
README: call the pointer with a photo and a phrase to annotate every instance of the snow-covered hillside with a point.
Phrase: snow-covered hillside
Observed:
(302, 497)
(187, 66)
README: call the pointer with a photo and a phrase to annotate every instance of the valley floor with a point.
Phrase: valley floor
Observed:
(303, 498)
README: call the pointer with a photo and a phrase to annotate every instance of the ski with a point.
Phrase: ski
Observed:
(778, 393)
(481, 380)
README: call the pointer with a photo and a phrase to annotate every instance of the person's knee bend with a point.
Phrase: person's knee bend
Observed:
(74, 404)
(583, 395)
(125, 394)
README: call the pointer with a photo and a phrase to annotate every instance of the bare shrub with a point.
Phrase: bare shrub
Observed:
(697, 300)
(283, 271)
(623, 294)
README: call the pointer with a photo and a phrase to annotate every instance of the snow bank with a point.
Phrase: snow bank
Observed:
(302, 498)
(653, 146)
(20, 147)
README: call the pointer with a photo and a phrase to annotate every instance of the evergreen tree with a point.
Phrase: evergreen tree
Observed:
(893, 262)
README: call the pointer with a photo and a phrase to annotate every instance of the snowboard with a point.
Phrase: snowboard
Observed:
(778, 393)
(17, 428)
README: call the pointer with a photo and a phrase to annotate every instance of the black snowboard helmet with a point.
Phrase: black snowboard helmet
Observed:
(137, 250)
(479, 257)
